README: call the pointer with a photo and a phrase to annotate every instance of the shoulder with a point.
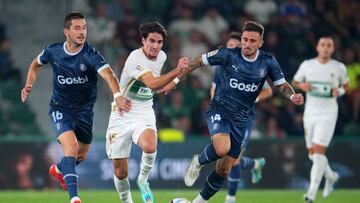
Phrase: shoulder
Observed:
(307, 63)
(162, 56)
(55, 46)
(338, 64)
(89, 49)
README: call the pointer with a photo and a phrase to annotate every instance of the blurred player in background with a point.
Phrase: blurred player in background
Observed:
(255, 165)
(75, 67)
(242, 74)
(323, 79)
(140, 78)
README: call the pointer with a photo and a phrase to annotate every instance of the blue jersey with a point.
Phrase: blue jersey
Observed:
(240, 80)
(74, 76)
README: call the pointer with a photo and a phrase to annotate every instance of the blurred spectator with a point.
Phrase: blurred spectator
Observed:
(354, 100)
(102, 28)
(212, 24)
(127, 31)
(261, 9)
(353, 67)
(272, 129)
(182, 26)
(7, 69)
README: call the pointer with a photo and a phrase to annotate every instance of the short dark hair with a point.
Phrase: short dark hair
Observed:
(72, 15)
(151, 27)
(252, 26)
(235, 35)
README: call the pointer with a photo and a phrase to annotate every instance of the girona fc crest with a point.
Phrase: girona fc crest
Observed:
(262, 73)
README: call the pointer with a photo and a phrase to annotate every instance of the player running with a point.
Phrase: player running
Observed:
(255, 165)
(139, 79)
(75, 67)
(323, 79)
(243, 73)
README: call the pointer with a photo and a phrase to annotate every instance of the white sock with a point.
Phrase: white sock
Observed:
(329, 173)
(147, 162)
(316, 174)
(123, 188)
(199, 199)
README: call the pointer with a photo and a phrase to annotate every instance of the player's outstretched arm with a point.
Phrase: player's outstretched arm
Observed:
(192, 65)
(155, 83)
(288, 92)
(122, 103)
(30, 79)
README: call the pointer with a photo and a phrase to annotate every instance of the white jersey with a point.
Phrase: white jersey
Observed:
(136, 65)
(323, 78)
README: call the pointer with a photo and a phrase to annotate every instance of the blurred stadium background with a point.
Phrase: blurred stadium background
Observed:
(27, 142)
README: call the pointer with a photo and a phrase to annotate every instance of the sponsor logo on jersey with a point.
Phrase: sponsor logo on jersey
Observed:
(262, 73)
(82, 67)
(234, 83)
(212, 53)
(69, 81)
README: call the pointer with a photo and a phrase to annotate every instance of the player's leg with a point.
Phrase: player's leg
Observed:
(70, 147)
(121, 180)
(322, 134)
(233, 181)
(215, 179)
(147, 141)
(219, 147)
(118, 148)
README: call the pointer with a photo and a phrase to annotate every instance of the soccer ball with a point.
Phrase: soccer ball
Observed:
(179, 200)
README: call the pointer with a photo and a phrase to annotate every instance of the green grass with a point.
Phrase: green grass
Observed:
(164, 196)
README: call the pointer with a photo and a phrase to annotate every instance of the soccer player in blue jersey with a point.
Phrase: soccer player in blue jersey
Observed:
(243, 73)
(75, 67)
(255, 165)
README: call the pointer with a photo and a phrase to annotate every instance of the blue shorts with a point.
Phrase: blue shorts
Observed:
(80, 122)
(239, 136)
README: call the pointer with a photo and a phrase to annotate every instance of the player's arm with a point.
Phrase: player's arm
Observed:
(264, 94)
(33, 71)
(304, 86)
(155, 83)
(109, 76)
(193, 64)
(286, 89)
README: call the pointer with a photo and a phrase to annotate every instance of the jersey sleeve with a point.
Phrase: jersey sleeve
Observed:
(344, 78)
(43, 57)
(99, 61)
(300, 73)
(275, 73)
(216, 57)
(134, 68)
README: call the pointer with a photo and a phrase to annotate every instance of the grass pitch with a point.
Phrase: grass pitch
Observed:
(164, 196)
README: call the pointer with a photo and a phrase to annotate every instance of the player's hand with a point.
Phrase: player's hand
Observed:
(25, 92)
(167, 88)
(297, 99)
(183, 64)
(304, 86)
(123, 104)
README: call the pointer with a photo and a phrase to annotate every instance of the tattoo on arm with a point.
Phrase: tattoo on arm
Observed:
(286, 89)
(193, 64)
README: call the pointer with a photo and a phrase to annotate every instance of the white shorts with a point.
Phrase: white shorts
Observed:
(123, 130)
(319, 130)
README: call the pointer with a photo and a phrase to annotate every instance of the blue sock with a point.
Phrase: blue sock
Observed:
(212, 185)
(70, 177)
(59, 164)
(208, 155)
(234, 179)
(247, 163)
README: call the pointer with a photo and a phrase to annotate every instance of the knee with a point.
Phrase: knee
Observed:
(221, 150)
(120, 173)
(149, 147)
